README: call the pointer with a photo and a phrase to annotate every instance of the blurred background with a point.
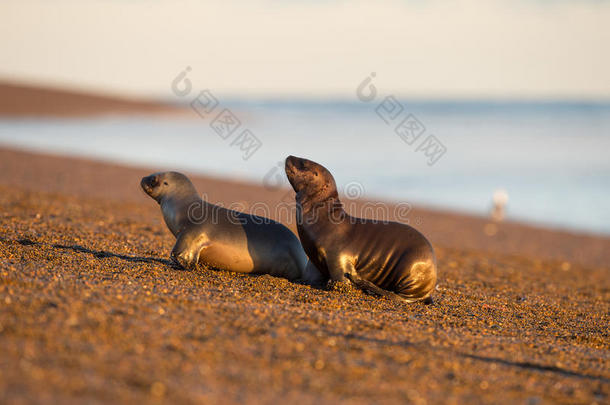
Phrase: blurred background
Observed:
(443, 104)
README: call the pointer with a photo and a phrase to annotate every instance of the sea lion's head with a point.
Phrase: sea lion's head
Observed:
(310, 179)
(159, 185)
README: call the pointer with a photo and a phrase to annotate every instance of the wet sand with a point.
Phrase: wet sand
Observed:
(92, 311)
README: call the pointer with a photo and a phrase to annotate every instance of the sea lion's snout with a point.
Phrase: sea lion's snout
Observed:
(289, 164)
(294, 164)
(149, 183)
(292, 167)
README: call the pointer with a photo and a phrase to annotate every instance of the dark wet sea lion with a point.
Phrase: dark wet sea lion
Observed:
(222, 238)
(384, 258)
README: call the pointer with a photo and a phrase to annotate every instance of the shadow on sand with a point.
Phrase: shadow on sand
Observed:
(100, 254)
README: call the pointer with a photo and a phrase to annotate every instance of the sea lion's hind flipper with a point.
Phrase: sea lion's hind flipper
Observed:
(371, 288)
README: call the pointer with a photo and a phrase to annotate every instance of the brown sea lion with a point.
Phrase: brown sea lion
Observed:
(385, 258)
(225, 239)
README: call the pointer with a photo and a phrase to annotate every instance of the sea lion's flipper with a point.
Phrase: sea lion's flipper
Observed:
(187, 249)
(371, 288)
(346, 265)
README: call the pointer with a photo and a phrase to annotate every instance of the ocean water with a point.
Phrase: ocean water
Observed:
(553, 159)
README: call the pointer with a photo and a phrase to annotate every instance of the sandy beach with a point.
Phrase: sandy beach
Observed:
(91, 310)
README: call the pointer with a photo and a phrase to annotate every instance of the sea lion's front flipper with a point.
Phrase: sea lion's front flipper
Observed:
(343, 268)
(371, 288)
(187, 249)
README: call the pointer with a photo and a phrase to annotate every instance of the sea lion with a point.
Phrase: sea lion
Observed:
(385, 258)
(225, 239)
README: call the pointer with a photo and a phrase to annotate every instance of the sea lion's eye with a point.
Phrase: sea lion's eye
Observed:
(165, 182)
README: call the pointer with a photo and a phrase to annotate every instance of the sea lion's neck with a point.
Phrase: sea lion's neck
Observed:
(321, 211)
(182, 209)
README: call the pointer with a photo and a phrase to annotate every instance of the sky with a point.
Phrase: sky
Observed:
(500, 49)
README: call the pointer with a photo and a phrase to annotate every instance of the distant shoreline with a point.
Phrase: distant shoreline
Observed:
(21, 100)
